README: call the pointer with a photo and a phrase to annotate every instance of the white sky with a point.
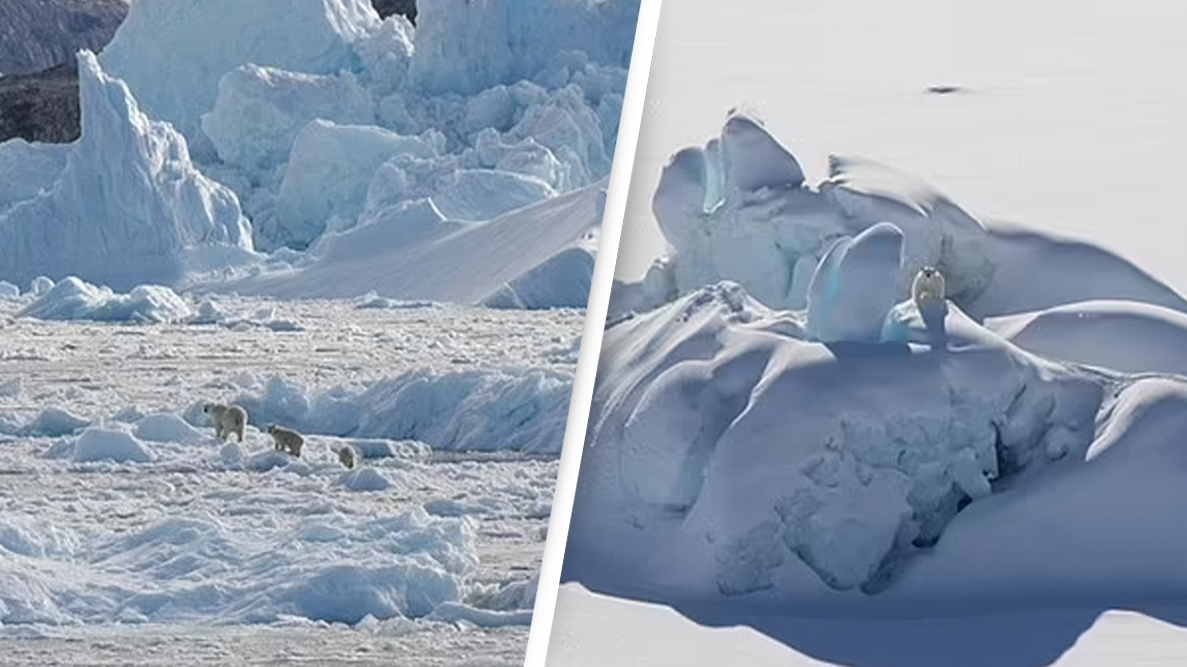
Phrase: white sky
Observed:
(1076, 114)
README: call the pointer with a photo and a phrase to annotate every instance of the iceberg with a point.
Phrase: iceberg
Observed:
(128, 208)
(738, 209)
(775, 424)
(766, 461)
(173, 54)
(260, 110)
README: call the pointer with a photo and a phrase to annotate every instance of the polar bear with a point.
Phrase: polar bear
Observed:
(286, 440)
(927, 286)
(346, 456)
(227, 419)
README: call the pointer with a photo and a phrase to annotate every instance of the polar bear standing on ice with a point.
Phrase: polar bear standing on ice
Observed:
(927, 291)
(228, 419)
(927, 286)
(346, 456)
(286, 440)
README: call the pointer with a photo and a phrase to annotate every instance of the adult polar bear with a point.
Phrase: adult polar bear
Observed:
(227, 419)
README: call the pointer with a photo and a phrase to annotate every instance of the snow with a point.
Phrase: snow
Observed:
(976, 483)
(73, 299)
(166, 427)
(412, 252)
(364, 479)
(1087, 332)
(853, 287)
(522, 410)
(122, 508)
(561, 281)
(103, 444)
(593, 629)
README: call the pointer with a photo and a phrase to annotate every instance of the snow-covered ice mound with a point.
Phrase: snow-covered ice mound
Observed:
(738, 209)
(74, 299)
(853, 287)
(413, 252)
(1121, 335)
(128, 208)
(561, 281)
(104, 444)
(482, 410)
(766, 463)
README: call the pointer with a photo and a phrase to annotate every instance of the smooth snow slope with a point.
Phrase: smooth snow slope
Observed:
(414, 253)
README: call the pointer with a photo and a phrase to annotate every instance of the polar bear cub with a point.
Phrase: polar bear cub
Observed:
(927, 286)
(227, 419)
(346, 456)
(286, 440)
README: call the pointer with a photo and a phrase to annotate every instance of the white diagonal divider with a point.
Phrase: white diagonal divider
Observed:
(591, 338)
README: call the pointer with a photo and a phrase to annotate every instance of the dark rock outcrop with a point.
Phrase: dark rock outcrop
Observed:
(36, 35)
(388, 7)
(42, 106)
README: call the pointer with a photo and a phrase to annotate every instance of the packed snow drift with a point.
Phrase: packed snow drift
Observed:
(277, 145)
(776, 421)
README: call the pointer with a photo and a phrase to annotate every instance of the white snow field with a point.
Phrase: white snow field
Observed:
(780, 439)
(131, 534)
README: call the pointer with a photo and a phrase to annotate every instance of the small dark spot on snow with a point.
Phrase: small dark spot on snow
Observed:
(944, 89)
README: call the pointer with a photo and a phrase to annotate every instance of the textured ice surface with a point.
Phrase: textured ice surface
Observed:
(260, 110)
(854, 286)
(129, 208)
(867, 450)
(173, 54)
(465, 47)
(123, 508)
(74, 299)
